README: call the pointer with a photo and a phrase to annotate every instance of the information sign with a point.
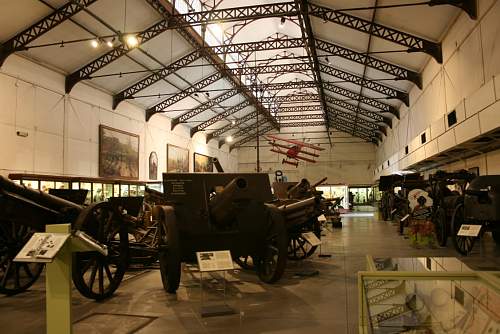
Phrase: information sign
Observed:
(42, 247)
(215, 260)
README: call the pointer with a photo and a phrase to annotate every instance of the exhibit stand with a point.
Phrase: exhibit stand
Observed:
(55, 248)
(214, 261)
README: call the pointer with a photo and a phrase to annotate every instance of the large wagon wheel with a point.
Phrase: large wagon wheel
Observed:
(169, 248)
(439, 220)
(462, 244)
(103, 223)
(298, 247)
(15, 277)
(271, 265)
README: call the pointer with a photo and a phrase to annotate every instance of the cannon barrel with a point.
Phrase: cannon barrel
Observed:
(221, 208)
(300, 205)
(303, 185)
(37, 196)
(323, 180)
(217, 165)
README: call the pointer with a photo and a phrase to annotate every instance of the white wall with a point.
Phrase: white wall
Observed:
(345, 163)
(468, 82)
(63, 130)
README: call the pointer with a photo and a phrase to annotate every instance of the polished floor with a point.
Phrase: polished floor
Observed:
(299, 303)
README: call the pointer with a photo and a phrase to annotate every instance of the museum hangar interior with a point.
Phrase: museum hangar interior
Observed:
(188, 166)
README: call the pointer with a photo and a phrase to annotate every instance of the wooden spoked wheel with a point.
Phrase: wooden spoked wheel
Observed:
(271, 265)
(15, 277)
(439, 220)
(462, 244)
(97, 276)
(169, 248)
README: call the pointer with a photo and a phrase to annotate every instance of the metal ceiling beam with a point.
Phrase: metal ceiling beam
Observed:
(166, 9)
(290, 98)
(248, 138)
(240, 121)
(412, 42)
(202, 107)
(369, 114)
(356, 120)
(130, 91)
(242, 13)
(28, 35)
(219, 117)
(308, 38)
(370, 84)
(163, 105)
(397, 71)
(302, 108)
(299, 117)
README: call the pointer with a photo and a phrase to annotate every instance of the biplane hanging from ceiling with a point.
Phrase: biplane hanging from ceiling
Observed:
(294, 150)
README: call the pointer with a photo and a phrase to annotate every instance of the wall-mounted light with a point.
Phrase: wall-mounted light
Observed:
(282, 23)
(22, 133)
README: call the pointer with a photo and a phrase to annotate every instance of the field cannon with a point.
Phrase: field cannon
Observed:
(445, 200)
(480, 206)
(25, 211)
(209, 212)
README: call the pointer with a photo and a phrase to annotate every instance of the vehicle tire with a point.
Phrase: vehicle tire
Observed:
(462, 244)
(104, 224)
(271, 265)
(169, 254)
(439, 220)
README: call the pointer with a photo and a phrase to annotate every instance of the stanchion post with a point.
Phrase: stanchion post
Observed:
(58, 286)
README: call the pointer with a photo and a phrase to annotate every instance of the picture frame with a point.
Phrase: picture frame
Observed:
(118, 153)
(153, 165)
(202, 163)
(177, 159)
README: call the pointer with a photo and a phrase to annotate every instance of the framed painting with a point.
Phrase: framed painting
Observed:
(177, 159)
(202, 163)
(118, 153)
(153, 166)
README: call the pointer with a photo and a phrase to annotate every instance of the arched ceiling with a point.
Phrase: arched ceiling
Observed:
(224, 66)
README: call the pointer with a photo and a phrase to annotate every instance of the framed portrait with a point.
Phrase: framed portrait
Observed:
(118, 153)
(177, 159)
(202, 163)
(474, 170)
(153, 165)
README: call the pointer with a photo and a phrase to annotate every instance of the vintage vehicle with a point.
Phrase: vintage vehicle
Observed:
(209, 212)
(26, 210)
(447, 191)
(480, 205)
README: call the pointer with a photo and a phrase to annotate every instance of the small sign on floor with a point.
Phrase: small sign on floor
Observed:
(311, 238)
(469, 230)
(215, 260)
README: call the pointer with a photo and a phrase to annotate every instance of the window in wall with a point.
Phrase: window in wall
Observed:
(388, 164)
(406, 150)
(452, 118)
(423, 138)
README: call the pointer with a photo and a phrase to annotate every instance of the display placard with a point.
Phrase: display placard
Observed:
(311, 238)
(405, 218)
(469, 230)
(42, 247)
(393, 210)
(215, 260)
(322, 218)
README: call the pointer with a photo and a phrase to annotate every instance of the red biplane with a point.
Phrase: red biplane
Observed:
(294, 150)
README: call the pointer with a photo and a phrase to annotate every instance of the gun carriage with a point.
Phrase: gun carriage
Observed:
(396, 205)
(480, 205)
(209, 212)
(25, 211)
(445, 200)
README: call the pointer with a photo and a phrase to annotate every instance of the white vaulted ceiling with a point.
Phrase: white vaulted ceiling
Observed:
(108, 19)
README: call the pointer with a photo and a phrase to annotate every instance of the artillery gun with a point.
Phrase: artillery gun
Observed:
(445, 200)
(207, 211)
(25, 211)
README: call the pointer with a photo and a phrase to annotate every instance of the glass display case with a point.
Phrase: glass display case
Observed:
(99, 189)
(334, 191)
(427, 295)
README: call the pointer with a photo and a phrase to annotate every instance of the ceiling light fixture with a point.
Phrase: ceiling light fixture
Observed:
(282, 23)
(94, 43)
(111, 42)
(328, 61)
(229, 139)
(131, 41)
(233, 122)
